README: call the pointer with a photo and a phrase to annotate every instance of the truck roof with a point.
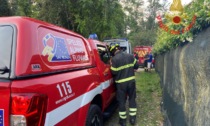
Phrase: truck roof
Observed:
(115, 40)
(36, 47)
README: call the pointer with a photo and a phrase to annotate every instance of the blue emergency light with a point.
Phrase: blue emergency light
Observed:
(93, 36)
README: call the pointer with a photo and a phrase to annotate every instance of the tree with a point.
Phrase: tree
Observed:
(21, 7)
(134, 12)
(104, 17)
(146, 33)
(4, 8)
(56, 12)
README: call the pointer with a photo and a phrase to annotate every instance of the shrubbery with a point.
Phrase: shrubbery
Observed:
(166, 40)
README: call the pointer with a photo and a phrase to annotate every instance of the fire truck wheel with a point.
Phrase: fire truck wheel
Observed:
(94, 117)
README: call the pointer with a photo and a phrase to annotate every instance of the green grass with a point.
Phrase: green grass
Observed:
(148, 101)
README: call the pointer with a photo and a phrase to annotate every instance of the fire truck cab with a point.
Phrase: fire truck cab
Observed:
(51, 76)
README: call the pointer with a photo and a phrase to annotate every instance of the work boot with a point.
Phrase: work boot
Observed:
(122, 122)
(133, 120)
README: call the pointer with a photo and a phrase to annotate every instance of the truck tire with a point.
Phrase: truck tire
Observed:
(94, 117)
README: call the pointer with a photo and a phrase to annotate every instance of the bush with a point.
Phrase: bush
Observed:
(196, 15)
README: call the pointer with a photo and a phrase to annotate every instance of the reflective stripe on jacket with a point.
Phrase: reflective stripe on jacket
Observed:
(123, 65)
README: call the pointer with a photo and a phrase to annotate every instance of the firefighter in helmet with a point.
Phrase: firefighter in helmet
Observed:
(123, 66)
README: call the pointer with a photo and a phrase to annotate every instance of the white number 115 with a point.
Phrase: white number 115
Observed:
(64, 88)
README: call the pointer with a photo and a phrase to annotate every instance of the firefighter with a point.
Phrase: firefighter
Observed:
(123, 66)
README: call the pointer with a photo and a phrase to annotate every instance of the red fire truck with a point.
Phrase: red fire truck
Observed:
(50, 76)
(142, 51)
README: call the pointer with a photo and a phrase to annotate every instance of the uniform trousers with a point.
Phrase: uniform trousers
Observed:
(126, 90)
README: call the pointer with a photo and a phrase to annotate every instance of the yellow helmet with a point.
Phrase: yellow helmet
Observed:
(113, 47)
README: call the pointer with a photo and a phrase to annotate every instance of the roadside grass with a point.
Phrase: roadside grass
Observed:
(149, 96)
(148, 100)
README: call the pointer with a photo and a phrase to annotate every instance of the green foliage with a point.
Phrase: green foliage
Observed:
(146, 32)
(144, 37)
(133, 7)
(56, 12)
(166, 41)
(104, 17)
(21, 7)
(4, 8)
